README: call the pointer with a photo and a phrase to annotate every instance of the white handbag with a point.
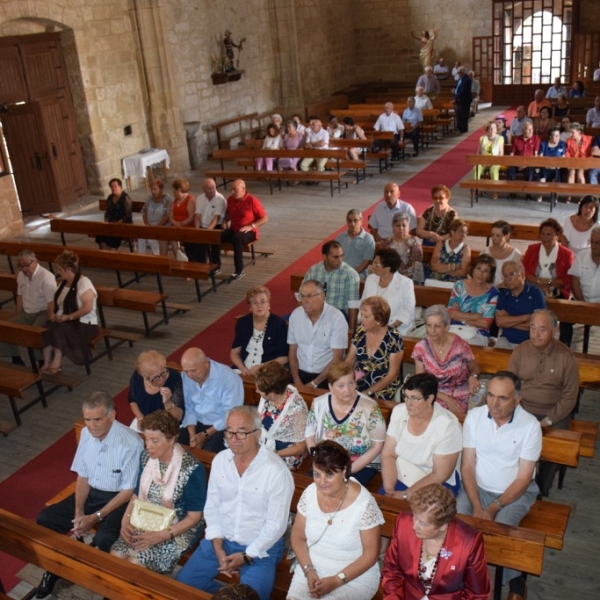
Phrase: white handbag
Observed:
(146, 516)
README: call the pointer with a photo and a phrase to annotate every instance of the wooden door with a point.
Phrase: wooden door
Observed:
(483, 62)
(28, 149)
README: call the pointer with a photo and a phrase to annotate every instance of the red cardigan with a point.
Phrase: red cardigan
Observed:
(461, 576)
(564, 260)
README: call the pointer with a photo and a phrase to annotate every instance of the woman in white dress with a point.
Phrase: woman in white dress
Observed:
(500, 249)
(336, 534)
(577, 228)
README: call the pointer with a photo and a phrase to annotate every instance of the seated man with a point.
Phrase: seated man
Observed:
(340, 280)
(245, 214)
(380, 223)
(421, 100)
(316, 138)
(517, 301)
(429, 82)
(527, 144)
(389, 121)
(516, 126)
(550, 381)
(592, 118)
(247, 509)
(533, 110)
(317, 336)
(357, 244)
(557, 89)
(210, 389)
(413, 117)
(35, 290)
(440, 70)
(585, 271)
(106, 462)
(501, 444)
(334, 128)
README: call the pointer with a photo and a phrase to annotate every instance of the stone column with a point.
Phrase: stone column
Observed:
(165, 126)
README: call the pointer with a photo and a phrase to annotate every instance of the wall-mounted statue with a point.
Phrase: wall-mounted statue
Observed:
(427, 54)
(229, 45)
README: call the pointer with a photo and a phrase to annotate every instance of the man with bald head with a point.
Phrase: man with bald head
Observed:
(210, 389)
(245, 214)
(380, 222)
(390, 121)
(538, 102)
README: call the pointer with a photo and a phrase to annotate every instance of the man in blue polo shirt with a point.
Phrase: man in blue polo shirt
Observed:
(517, 301)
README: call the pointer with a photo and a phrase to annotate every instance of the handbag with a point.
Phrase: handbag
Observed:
(146, 516)
(182, 256)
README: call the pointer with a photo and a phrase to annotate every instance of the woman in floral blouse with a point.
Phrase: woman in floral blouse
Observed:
(352, 420)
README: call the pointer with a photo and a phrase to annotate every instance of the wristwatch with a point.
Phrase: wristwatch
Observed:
(342, 576)
(100, 517)
(549, 421)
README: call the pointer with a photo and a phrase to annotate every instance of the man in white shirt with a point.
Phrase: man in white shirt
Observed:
(501, 444)
(440, 70)
(247, 509)
(317, 138)
(380, 223)
(421, 100)
(586, 270)
(557, 89)
(36, 287)
(516, 126)
(592, 119)
(211, 207)
(389, 121)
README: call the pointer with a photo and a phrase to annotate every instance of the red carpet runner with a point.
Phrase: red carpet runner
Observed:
(25, 492)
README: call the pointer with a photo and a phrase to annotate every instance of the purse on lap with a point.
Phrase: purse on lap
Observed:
(146, 516)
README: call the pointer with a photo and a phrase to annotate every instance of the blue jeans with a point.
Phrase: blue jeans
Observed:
(400, 487)
(202, 567)
(593, 173)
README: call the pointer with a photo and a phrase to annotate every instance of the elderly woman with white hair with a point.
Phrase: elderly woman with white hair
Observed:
(448, 357)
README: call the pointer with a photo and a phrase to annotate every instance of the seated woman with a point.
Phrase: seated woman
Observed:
(578, 90)
(292, 140)
(336, 534)
(259, 336)
(376, 352)
(578, 228)
(472, 304)
(578, 146)
(183, 209)
(448, 357)
(451, 259)
(273, 141)
(500, 250)
(73, 318)
(118, 210)
(283, 413)
(423, 442)
(154, 386)
(156, 212)
(399, 291)
(491, 144)
(416, 565)
(561, 108)
(433, 225)
(407, 246)
(352, 419)
(554, 147)
(543, 124)
(353, 132)
(170, 477)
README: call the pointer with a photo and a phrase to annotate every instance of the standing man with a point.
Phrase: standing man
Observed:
(245, 214)
(36, 287)
(340, 280)
(501, 444)
(317, 336)
(247, 509)
(357, 244)
(586, 270)
(211, 208)
(380, 223)
(106, 462)
(462, 100)
(414, 117)
(316, 138)
(389, 121)
(550, 381)
(210, 389)
(517, 301)
(430, 84)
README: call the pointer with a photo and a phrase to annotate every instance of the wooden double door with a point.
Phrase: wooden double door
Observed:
(38, 121)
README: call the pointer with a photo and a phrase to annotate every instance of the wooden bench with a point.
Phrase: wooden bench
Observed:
(8, 283)
(245, 127)
(553, 189)
(14, 382)
(98, 572)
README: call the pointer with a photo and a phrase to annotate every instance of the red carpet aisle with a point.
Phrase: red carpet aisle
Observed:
(25, 492)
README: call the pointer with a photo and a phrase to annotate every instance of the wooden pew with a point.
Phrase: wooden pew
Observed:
(96, 571)
(8, 283)
(245, 127)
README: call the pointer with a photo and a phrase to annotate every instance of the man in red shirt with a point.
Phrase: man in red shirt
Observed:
(245, 214)
(524, 145)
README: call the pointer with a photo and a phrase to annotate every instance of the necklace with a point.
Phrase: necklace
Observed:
(440, 349)
(335, 512)
(427, 570)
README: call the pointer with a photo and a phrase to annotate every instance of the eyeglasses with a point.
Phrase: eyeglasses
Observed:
(413, 399)
(239, 435)
(25, 265)
(509, 275)
(259, 302)
(158, 377)
(301, 297)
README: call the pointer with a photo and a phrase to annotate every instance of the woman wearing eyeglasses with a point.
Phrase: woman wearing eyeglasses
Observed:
(260, 336)
(349, 418)
(153, 386)
(336, 534)
(422, 444)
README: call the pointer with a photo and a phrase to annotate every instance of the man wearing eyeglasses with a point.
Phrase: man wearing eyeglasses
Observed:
(36, 287)
(210, 389)
(317, 336)
(517, 301)
(247, 507)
